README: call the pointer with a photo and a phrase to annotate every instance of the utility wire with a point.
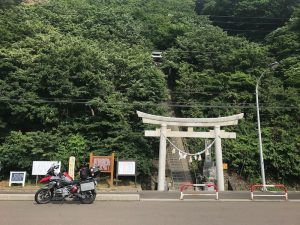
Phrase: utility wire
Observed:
(251, 30)
(245, 22)
(248, 17)
(165, 52)
(173, 104)
(198, 94)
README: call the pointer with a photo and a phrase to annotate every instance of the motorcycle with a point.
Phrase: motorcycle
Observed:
(61, 186)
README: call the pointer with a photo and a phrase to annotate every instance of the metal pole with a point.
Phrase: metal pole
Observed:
(162, 158)
(262, 167)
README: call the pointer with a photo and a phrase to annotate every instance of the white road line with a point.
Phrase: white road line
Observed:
(213, 200)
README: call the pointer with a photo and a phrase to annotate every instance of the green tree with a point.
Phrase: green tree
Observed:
(252, 19)
(19, 150)
(73, 145)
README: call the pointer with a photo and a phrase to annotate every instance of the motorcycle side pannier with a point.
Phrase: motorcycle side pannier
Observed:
(87, 186)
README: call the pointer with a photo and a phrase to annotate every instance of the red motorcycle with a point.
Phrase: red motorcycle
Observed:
(61, 186)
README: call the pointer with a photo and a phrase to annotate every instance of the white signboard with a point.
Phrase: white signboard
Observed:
(41, 167)
(126, 168)
(72, 167)
(17, 177)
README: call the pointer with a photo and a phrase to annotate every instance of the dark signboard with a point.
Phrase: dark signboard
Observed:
(17, 177)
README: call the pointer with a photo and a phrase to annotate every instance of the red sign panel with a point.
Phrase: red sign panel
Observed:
(104, 163)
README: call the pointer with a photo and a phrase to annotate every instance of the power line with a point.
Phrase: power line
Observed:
(168, 51)
(248, 17)
(244, 22)
(63, 101)
(172, 92)
(226, 106)
(249, 30)
(172, 104)
(178, 93)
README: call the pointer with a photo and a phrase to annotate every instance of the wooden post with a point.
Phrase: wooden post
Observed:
(91, 160)
(71, 170)
(112, 162)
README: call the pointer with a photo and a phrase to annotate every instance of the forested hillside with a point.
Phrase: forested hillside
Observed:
(254, 19)
(74, 72)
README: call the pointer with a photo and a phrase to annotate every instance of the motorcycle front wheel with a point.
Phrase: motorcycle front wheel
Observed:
(43, 196)
(88, 197)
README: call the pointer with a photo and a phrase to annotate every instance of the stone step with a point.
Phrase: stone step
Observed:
(179, 168)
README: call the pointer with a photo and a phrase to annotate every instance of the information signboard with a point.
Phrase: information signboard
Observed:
(41, 167)
(105, 164)
(126, 168)
(17, 177)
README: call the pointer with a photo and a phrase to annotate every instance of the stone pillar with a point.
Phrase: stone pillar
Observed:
(219, 159)
(162, 158)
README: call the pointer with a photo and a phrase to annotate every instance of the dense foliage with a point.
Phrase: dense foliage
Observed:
(73, 74)
(253, 19)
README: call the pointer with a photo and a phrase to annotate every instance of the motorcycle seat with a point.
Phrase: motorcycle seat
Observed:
(75, 182)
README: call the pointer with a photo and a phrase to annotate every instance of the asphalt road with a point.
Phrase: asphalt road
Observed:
(150, 213)
(175, 195)
(227, 195)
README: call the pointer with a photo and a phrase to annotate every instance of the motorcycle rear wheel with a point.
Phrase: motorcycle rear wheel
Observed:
(88, 197)
(43, 196)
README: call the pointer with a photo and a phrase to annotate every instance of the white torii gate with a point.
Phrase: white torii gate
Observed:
(164, 132)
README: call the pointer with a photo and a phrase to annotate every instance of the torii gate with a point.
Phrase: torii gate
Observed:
(164, 132)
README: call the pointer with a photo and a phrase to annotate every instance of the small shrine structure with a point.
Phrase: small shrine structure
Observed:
(165, 131)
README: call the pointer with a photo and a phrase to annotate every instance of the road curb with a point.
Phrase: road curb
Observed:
(118, 197)
(16, 197)
(100, 197)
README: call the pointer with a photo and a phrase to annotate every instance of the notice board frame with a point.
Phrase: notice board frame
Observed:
(11, 181)
(36, 171)
(40, 168)
(126, 174)
(108, 169)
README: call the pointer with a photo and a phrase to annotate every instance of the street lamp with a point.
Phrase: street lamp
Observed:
(262, 167)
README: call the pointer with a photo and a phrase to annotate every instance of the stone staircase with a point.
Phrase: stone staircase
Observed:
(179, 168)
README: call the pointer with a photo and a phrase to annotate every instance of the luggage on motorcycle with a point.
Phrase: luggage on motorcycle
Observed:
(84, 173)
(87, 185)
(95, 171)
(67, 177)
